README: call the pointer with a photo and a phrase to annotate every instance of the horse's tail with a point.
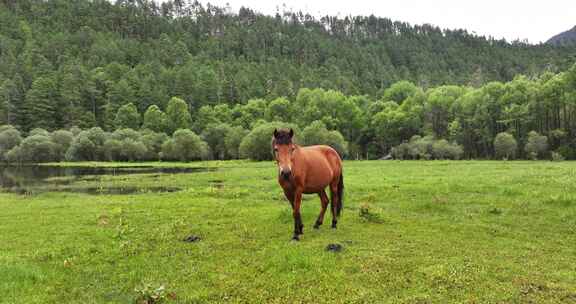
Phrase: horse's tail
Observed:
(340, 194)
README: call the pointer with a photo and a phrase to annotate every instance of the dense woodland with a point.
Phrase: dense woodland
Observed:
(133, 80)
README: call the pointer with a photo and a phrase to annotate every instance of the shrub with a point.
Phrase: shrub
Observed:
(279, 109)
(557, 156)
(122, 134)
(38, 131)
(335, 140)
(215, 137)
(10, 137)
(317, 134)
(82, 148)
(6, 127)
(125, 145)
(442, 149)
(257, 144)
(185, 145)
(98, 137)
(505, 146)
(75, 130)
(537, 145)
(35, 148)
(153, 142)
(62, 140)
(456, 151)
(566, 151)
(422, 146)
(14, 155)
(402, 151)
(112, 149)
(233, 139)
(427, 148)
(132, 150)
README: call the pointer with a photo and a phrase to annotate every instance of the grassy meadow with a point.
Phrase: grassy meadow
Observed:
(411, 231)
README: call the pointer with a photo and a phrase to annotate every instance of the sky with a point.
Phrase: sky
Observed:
(533, 20)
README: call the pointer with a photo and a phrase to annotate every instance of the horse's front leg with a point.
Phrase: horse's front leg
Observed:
(289, 193)
(298, 226)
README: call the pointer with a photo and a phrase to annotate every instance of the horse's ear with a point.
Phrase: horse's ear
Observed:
(291, 132)
(275, 132)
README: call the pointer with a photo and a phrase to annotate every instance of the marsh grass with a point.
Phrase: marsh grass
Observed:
(413, 232)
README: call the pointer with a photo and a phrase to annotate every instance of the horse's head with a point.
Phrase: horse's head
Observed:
(283, 148)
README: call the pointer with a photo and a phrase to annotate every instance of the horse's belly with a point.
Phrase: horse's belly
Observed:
(311, 190)
(318, 181)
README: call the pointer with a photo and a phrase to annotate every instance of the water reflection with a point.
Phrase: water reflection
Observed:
(32, 179)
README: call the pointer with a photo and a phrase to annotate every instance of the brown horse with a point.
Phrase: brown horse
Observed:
(308, 170)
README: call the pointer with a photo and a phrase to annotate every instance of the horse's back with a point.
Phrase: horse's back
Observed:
(321, 153)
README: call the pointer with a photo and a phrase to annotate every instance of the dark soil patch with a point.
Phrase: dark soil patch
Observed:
(334, 247)
(192, 238)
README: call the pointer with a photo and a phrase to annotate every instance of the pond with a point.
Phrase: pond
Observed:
(33, 179)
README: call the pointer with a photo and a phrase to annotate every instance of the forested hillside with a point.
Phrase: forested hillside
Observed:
(370, 81)
(567, 38)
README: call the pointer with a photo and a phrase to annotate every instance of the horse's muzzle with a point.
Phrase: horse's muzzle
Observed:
(286, 174)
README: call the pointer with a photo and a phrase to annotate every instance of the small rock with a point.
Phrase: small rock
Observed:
(192, 239)
(334, 247)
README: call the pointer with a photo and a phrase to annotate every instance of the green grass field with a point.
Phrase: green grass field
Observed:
(412, 232)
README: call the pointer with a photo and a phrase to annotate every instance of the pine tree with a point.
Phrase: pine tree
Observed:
(41, 104)
(12, 102)
(120, 94)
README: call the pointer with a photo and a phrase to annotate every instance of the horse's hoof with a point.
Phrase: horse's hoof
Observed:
(316, 226)
(295, 238)
(333, 225)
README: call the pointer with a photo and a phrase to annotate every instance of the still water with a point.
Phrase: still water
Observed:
(33, 179)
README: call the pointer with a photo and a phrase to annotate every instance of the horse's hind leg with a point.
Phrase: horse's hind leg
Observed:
(334, 199)
(324, 205)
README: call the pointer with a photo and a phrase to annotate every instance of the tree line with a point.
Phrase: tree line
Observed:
(523, 118)
(95, 144)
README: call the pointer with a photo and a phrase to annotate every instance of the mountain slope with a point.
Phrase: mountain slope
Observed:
(564, 38)
(91, 57)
